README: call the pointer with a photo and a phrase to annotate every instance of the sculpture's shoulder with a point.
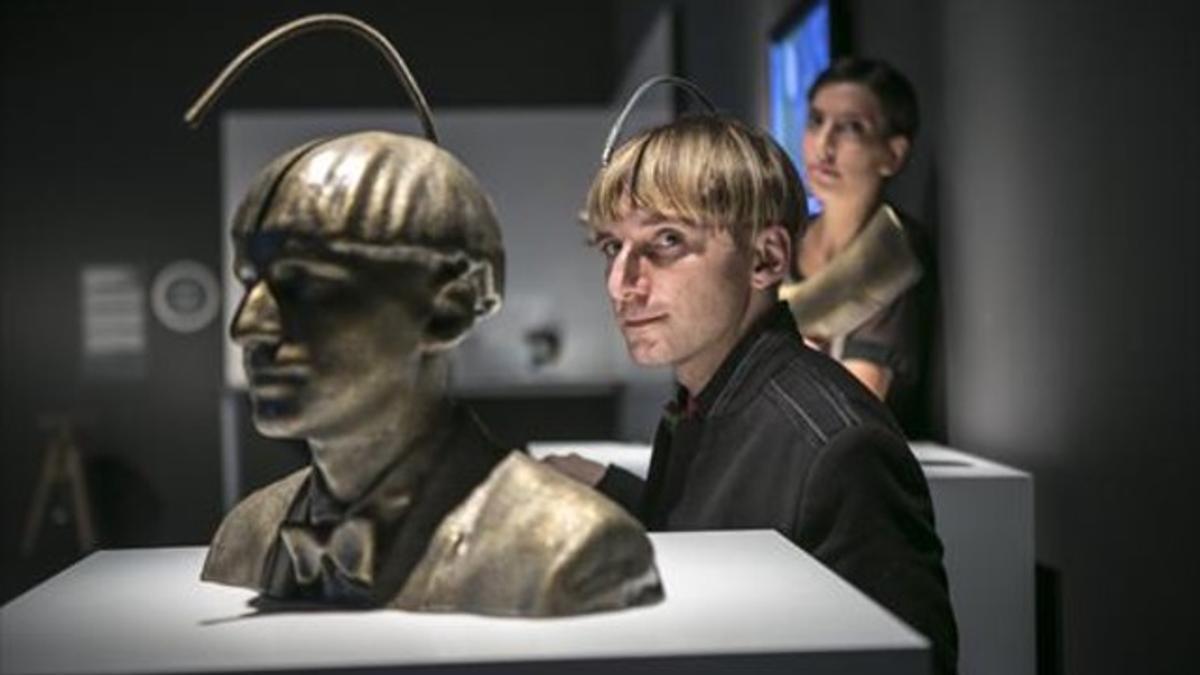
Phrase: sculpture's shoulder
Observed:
(532, 542)
(240, 547)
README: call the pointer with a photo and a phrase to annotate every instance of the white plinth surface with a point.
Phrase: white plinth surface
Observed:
(985, 518)
(735, 601)
(633, 457)
(984, 514)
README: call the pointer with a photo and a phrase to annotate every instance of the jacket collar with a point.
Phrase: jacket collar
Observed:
(775, 324)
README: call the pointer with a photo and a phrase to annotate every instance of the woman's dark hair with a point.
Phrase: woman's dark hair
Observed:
(896, 96)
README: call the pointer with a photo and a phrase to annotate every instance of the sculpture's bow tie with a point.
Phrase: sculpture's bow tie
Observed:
(350, 547)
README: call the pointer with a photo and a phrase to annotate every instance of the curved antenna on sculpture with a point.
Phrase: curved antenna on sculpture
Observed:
(313, 22)
(683, 84)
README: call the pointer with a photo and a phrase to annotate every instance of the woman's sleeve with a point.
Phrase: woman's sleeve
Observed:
(886, 339)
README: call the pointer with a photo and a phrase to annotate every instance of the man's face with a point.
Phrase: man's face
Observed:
(679, 292)
(330, 341)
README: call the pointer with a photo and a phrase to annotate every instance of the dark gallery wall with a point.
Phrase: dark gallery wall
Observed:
(1069, 250)
(1060, 145)
(98, 168)
(1059, 149)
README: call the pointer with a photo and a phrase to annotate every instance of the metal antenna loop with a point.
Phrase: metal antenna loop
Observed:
(649, 84)
(195, 114)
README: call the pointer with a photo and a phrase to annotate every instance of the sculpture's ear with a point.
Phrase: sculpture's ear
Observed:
(465, 293)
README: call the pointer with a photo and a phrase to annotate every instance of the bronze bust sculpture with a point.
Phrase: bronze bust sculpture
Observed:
(365, 259)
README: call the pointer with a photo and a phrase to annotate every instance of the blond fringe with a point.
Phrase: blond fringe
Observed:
(705, 170)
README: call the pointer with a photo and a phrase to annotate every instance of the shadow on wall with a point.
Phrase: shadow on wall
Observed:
(925, 414)
(1049, 621)
(127, 506)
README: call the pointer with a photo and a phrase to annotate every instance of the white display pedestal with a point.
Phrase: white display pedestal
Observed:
(736, 602)
(984, 514)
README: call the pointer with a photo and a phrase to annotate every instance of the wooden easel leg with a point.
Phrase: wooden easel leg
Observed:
(79, 492)
(37, 510)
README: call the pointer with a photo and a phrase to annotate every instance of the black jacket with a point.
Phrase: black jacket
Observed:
(783, 437)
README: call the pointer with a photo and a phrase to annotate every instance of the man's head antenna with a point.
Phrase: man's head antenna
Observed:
(649, 84)
(195, 114)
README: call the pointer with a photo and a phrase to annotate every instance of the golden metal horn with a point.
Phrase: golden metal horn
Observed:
(313, 22)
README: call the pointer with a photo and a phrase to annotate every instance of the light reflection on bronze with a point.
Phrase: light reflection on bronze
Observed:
(366, 258)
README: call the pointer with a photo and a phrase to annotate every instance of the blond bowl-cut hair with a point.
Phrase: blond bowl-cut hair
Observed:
(705, 170)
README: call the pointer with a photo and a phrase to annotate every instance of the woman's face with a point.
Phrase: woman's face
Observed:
(847, 152)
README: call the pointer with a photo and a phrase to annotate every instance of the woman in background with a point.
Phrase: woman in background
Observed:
(857, 260)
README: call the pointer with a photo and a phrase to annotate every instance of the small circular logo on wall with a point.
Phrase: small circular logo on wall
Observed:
(184, 296)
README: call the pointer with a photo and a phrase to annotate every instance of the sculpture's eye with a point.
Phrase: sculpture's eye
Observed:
(305, 287)
(306, 281)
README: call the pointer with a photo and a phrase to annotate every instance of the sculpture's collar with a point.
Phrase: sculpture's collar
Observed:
(389, 495)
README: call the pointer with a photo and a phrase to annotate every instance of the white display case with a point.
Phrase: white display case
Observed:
(736, 602)
(984, 513)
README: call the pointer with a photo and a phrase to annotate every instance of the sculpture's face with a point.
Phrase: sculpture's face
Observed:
(343, 246)
(331, 341)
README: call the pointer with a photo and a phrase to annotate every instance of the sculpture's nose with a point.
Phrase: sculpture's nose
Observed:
(257, 318)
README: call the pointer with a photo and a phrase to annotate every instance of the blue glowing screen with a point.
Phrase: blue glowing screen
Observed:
(798, 54)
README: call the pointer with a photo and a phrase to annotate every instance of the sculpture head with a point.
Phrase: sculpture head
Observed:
(364, 258)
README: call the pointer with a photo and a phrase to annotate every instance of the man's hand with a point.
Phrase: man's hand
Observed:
(574, 466)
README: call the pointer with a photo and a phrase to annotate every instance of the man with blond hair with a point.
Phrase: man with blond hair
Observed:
(696, 221)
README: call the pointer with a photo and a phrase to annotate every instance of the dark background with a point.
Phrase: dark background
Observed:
(1055, 169)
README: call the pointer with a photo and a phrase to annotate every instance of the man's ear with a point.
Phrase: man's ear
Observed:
(772, 256)
(897, 150)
